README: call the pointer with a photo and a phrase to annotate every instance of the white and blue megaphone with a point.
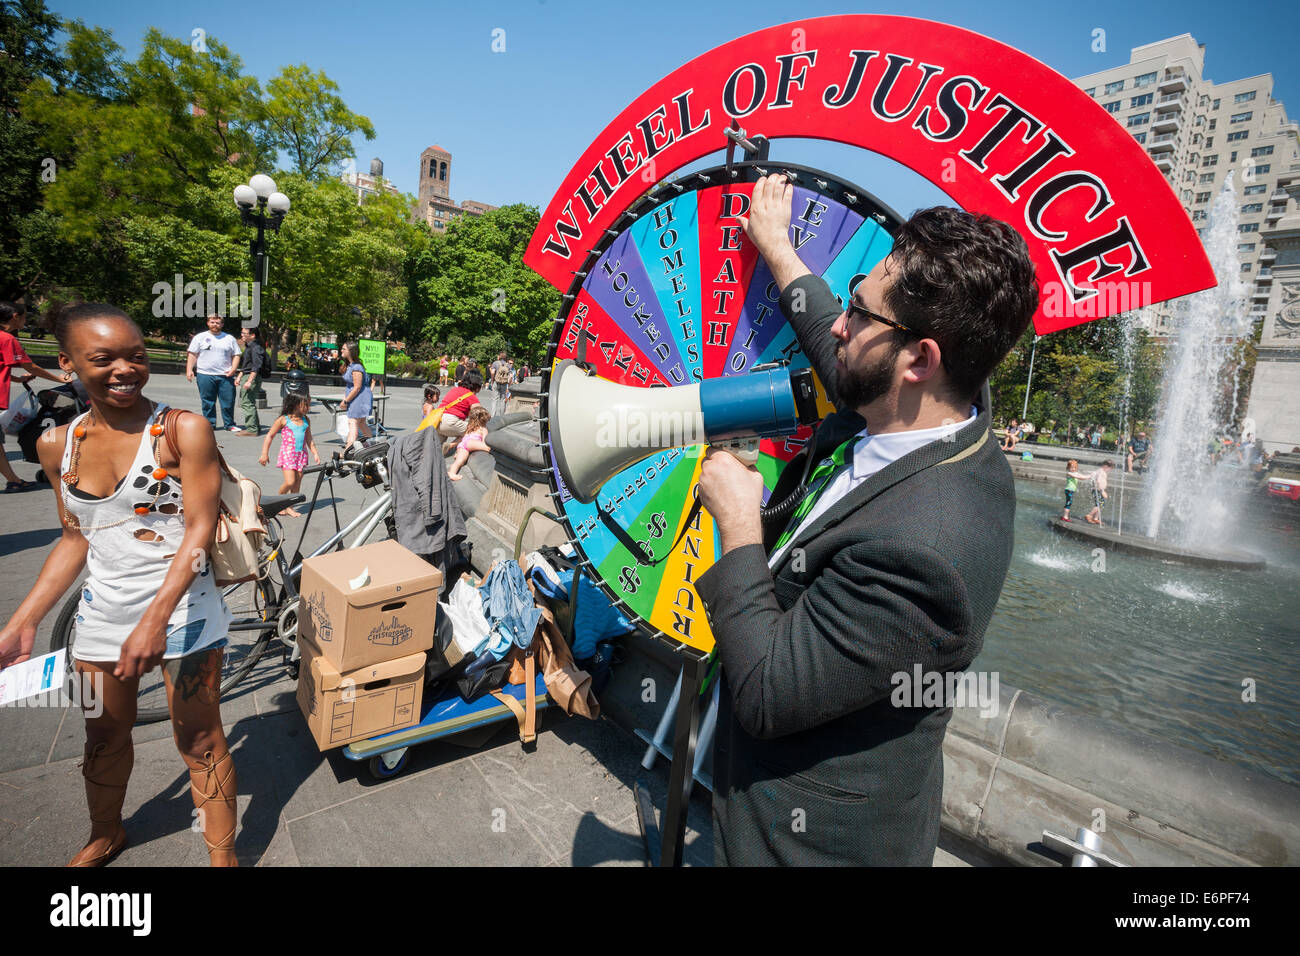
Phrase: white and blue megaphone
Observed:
(599, 427)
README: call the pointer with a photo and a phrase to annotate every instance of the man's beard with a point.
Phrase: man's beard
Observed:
(859, 387)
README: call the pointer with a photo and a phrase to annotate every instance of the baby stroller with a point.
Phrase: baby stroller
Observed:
(58, 406)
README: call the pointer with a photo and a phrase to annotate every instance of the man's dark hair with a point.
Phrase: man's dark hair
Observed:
(255, 333)
(74, 315)
(472, 380)
(8, 310)
(966, 281)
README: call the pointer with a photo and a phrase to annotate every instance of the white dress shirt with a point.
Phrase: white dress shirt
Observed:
(870, 455)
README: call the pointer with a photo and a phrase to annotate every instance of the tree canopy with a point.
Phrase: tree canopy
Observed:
(117, 178)
(470, 282)
(1081, 375)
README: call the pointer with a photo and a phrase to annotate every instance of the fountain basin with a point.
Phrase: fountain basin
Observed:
(1226, 558)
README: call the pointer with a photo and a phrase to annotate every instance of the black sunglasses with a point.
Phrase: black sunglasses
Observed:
(854, 309)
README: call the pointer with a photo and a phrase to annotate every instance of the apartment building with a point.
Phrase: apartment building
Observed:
(1198, 132)
(369, 184)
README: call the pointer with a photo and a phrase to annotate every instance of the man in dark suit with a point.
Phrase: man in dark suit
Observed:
(895, 557)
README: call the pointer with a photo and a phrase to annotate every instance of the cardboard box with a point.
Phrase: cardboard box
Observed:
(390, 616)
(356, 705)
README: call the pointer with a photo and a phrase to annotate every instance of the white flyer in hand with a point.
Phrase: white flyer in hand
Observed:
(36, 676)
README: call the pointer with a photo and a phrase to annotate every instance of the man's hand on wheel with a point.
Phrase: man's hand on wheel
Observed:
(768, 222)
(768, 228)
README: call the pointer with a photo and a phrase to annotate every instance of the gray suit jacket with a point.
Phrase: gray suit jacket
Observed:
(425, 509)
(813, 763)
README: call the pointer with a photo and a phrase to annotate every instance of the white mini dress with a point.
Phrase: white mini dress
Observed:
(128, 558)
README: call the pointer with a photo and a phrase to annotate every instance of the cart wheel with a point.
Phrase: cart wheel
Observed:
(381, 772)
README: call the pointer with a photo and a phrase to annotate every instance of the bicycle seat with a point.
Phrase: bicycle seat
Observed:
(272, 505)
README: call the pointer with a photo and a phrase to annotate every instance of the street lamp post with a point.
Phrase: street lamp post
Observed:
(271, 206)
(1024, 412)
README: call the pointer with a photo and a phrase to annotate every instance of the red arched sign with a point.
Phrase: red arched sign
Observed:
(992, 127)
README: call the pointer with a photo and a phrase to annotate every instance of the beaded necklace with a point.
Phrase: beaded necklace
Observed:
(70, 476)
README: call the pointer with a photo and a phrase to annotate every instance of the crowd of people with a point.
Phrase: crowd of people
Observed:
(502, 373)
(1236, 448)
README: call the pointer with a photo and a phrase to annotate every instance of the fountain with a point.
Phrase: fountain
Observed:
(1187, 500)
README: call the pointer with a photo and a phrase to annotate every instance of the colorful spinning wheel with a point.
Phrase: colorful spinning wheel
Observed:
(675, 294)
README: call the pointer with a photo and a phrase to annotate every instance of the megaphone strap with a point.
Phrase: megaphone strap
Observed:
(634, 547)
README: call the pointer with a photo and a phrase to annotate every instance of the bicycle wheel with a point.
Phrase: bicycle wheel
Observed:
(252, 606)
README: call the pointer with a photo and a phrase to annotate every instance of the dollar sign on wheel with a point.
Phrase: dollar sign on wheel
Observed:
(629, 580)
(658, 524)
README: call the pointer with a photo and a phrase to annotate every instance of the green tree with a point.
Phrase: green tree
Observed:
(309, 121)
(1058, 360)
(28, 52)
(335, 266)
(148, 153)
(471, 282)
(1080, 387)
(183, 115)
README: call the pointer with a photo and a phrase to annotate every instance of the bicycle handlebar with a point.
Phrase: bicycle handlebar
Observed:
(339, 465)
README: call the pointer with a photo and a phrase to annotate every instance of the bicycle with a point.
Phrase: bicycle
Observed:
(266, 609)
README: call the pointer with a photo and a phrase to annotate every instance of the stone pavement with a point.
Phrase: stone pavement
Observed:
(568, 803)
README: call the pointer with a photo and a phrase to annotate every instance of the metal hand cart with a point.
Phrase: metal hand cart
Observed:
(448, 714)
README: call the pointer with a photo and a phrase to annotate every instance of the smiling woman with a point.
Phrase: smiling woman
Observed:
(140, 518)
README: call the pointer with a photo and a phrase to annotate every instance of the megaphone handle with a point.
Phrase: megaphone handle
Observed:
(746, 449)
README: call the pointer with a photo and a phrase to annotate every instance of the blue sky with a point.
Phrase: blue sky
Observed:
(425, 72)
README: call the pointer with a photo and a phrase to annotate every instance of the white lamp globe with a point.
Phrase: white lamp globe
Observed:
(278, 203)
(245, 196)
(263, 185)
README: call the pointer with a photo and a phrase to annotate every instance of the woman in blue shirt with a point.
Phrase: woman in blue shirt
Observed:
(357, 401)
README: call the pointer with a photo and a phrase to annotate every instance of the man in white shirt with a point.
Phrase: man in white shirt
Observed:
(891, 563)
(214, 360)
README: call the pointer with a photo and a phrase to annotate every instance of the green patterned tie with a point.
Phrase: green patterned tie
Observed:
(818, 481)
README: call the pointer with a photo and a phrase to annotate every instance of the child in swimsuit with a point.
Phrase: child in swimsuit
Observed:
(295, 441)
(475, 440)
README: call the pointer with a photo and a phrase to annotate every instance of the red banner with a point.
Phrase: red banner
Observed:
(992, 127)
